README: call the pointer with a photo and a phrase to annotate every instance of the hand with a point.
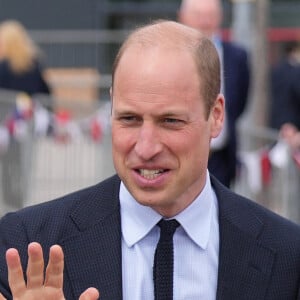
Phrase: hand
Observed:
(38, 287)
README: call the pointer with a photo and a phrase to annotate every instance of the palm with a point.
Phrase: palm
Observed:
(42, 293)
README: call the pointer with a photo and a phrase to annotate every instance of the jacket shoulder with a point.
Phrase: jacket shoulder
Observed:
(62, 216)
(252, 218)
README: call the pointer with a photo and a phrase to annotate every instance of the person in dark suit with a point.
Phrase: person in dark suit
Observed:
(206, 16)
(285, 88)
(20, 66)
(166, 108)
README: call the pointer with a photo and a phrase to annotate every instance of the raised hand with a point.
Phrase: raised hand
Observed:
(39, 287)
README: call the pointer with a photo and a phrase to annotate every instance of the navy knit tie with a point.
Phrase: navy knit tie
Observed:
(163, 261)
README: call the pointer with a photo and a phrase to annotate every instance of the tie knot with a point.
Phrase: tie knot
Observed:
(168, 227)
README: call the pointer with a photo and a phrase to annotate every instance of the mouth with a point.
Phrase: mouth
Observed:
(150, 174)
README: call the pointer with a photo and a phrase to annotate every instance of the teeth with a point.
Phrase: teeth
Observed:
(150, 174)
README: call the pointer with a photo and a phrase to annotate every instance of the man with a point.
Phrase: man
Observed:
(166, 108)
(206, 16)
(285, 89)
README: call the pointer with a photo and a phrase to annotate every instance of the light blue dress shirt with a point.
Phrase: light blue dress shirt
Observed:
(196, 247)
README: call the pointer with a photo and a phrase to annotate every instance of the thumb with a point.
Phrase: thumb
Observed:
(89, 294)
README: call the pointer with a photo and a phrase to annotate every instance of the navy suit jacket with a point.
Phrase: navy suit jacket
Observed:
(236, 83)
(285, 94)
(259, 251)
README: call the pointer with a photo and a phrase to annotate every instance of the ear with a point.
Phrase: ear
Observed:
(111, 93)
(217, 116)
(111, 99)
(180, 18)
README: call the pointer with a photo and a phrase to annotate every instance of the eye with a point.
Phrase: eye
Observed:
(173, 123)
(129, 119)
(171, 120)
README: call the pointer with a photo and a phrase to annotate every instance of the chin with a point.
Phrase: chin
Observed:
(148, 198)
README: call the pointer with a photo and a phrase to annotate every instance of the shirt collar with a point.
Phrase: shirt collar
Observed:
(138, 220)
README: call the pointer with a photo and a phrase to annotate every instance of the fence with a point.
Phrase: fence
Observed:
(42, 158)
(268, 173)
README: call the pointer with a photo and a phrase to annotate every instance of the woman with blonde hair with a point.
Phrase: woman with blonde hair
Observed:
(20, 67)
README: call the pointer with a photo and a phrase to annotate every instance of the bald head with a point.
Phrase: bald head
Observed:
(163, 37)
(163, 34)
(203, 15)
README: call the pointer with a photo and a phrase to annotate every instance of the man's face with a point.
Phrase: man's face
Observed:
(160, 135)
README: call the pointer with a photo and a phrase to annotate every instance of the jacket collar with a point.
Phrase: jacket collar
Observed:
(245, 263)
(93, 254)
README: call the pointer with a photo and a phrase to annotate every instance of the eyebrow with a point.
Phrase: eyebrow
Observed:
(159, 114)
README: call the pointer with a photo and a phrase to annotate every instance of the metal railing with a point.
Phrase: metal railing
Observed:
(262, 179)
(38, 167)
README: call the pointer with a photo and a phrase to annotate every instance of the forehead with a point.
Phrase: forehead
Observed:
(164, 64)
(157, 79)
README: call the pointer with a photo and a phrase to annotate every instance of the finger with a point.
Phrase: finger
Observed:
(35, 268)
(89, 294)
(2, 297)
(15, 272)
(55, 267)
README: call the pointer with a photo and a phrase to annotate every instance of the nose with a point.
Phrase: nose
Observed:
(148, 143)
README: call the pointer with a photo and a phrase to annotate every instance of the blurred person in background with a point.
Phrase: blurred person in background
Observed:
(207, 16)
(291, 135)
(21, 73)
(285, 89)
(20, 65)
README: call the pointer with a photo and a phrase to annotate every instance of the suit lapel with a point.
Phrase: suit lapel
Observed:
(245, 264)
(93, 256)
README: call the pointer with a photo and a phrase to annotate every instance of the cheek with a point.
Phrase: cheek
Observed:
(195, 144)
(119, 149)
(122, 139)
(118, 142)
(183, 146)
